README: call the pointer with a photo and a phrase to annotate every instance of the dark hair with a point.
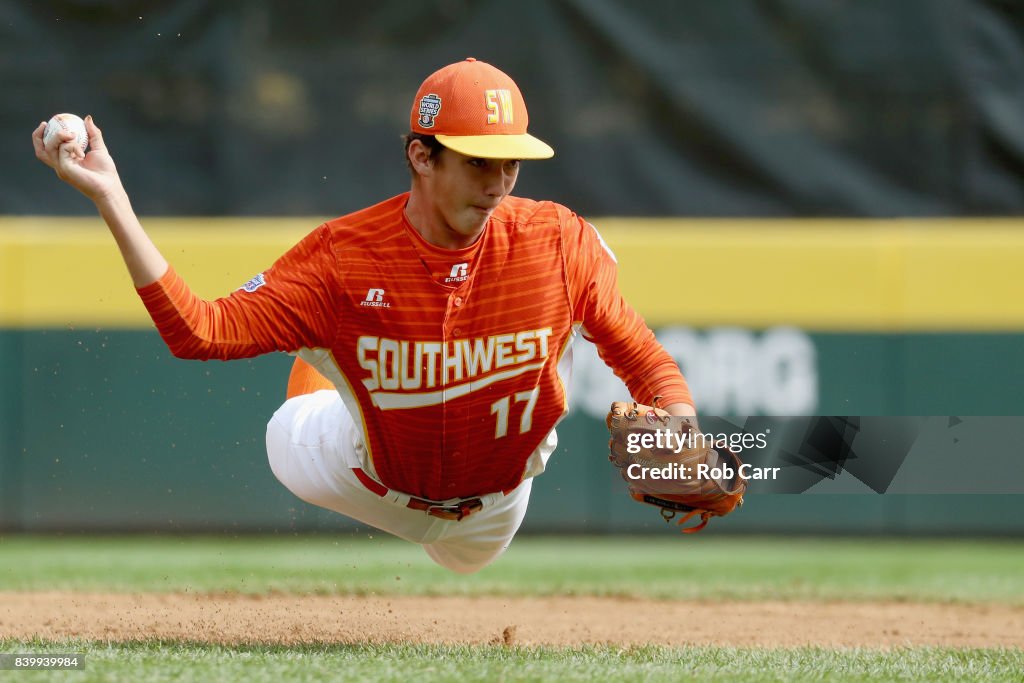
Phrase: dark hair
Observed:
(433, 147)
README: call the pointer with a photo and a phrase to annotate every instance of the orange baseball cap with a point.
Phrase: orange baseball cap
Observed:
(477, 110)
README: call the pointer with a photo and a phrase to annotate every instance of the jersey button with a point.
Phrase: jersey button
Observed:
(458, 301)
(457, 331)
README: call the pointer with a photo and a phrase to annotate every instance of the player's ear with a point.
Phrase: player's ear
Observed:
(420, 158)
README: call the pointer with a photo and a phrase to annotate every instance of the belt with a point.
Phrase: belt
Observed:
(454, 512)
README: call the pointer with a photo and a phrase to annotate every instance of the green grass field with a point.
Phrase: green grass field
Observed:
(190, 662)
(746, 569)
(663, 567)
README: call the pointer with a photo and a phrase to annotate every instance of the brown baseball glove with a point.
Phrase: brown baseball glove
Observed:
(667, 462)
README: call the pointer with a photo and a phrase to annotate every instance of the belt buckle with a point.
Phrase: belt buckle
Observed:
(456, 512)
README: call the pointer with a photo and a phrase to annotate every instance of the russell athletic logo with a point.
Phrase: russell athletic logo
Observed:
(460, 273)
(430, 105)
(375, 299)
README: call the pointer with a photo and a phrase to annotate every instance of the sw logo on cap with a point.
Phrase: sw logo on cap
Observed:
(499, 105)
(430, 105)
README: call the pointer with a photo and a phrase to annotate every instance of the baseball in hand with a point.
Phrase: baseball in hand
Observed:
(67, 122)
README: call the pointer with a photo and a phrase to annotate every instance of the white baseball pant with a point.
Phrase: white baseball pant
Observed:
(313, 445)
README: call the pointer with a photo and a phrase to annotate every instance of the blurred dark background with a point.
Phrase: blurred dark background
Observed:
(659, 107)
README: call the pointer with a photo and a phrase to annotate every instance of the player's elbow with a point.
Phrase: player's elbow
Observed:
(184, 353)
(189, 346)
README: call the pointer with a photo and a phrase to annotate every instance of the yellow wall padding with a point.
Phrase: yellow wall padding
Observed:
(823, 275)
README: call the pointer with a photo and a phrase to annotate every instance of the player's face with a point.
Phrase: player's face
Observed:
(466, 190)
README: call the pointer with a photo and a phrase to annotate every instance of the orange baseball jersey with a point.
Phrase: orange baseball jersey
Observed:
(456, 364)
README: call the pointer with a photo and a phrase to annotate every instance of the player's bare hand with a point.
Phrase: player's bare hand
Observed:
(92, 174)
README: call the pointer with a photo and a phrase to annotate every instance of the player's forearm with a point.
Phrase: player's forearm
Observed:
(144, 261)
(198, 329)
(643, 365)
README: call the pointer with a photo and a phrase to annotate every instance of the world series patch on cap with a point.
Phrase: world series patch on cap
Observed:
(476, 109)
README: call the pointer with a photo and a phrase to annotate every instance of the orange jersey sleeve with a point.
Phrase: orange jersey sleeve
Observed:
(623, 340)
(285, 308)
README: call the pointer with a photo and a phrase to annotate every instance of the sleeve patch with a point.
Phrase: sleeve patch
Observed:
(254, 284)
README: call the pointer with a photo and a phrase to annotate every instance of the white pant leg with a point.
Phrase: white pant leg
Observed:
(311, 446)
(311, 449)
(472, 544)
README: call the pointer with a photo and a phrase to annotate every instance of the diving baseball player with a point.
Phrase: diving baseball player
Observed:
(433, 330)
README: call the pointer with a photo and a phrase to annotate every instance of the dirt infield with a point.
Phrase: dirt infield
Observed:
(527, 621)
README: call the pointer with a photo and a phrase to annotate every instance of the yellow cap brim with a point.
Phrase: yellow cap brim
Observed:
(523, 146)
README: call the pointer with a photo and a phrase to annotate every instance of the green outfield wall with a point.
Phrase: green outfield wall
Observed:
(101, 429)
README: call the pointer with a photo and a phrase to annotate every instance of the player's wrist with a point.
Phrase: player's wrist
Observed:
(681, 410)
(111, 198)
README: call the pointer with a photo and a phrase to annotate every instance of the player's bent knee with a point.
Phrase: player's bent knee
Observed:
(277, 451)
(295, 434)
(288, 468)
